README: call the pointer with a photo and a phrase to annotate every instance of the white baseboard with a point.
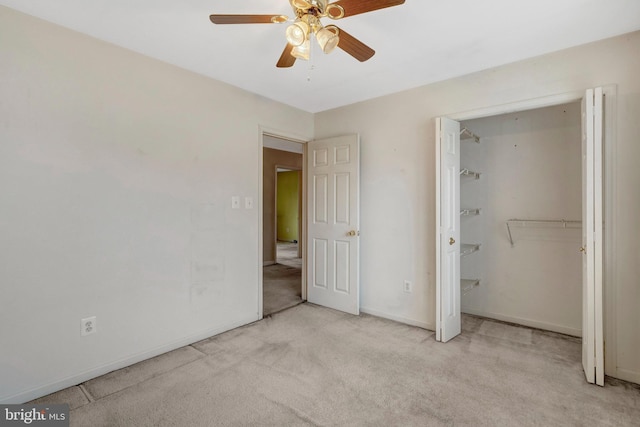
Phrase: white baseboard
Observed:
(28, 395)
(412, 322)
(627, 375)
(525, 322)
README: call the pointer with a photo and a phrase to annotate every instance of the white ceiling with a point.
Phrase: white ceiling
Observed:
(419, 42)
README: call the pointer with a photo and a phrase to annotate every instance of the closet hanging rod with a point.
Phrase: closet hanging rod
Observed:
(467, 134)
(563, 223)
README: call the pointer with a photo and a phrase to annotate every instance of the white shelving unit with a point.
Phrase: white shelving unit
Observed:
(467, 172)
(467, 285)
(466, 249)
(469, 248)
(467, 134)
(469, 212)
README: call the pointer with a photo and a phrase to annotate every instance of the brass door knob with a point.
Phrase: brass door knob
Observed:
(583, 250)
(451, 240)
(353, 233)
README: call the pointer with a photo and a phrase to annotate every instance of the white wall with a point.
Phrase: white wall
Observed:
(116, 177)
(116, 173)
(398, 182)
(531, 169)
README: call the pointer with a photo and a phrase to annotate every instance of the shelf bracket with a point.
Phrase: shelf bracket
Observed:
(466, 171)
(467, 134)
(510, 236)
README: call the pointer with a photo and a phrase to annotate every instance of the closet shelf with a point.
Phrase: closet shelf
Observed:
(540, 223)
(467, 134)
(467, 285)
(469, 212)
(469, 248)
(468, 172)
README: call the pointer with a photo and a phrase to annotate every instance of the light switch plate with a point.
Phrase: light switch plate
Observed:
(235, 202)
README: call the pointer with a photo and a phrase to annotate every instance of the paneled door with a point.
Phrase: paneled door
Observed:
(592, 237)
(448, 316)
(333, 209)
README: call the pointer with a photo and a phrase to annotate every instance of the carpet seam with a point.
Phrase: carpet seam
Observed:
(154, 376)
(87, 394)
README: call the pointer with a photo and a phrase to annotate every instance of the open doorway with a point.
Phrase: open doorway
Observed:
(282, 224)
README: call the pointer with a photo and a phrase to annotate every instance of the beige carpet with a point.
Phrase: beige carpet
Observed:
(287, 254)
(282, 282)
(313, 366)
(281, 288)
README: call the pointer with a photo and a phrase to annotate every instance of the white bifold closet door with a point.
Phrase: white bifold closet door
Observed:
(592, 237)
(448, 317)
(333, 210)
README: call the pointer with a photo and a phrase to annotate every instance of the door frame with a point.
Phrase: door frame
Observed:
(609, 194)
(292, 137)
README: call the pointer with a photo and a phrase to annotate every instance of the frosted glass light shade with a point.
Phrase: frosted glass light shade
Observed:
(302, 51)
(327, 39)
(297, 33)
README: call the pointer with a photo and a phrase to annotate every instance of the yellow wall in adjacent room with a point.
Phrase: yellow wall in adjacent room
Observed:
(287, 205)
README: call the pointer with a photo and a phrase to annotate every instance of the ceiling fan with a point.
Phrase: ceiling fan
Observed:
(306, 23)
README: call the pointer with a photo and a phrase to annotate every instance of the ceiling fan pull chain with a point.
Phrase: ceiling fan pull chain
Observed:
(312, 56)
(311, 68)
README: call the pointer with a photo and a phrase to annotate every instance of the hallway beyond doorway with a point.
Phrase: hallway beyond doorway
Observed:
(282, 282)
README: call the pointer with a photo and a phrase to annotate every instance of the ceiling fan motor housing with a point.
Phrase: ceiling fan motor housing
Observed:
(313, 7)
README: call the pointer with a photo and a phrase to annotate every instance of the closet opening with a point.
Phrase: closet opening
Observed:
(521, 211)
(520, 218)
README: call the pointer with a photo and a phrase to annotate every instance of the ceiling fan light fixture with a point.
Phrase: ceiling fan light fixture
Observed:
(302, 51)
(297, 33)
(327, 39)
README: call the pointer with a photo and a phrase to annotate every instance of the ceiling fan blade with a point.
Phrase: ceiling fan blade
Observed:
(247, 19)
(286, 59)
(354, 47)
(355, 7)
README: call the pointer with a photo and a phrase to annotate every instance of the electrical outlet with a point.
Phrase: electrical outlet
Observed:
(248, 202)
(88, 326)
(407, 286)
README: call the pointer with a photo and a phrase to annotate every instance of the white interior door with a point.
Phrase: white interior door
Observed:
(592, 233)
(448, 317)
(333, 189)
